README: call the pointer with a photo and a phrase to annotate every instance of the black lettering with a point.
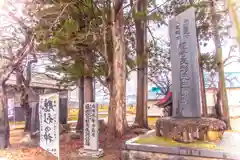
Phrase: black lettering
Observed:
(48, 118)
(47, 136)
(48, 105)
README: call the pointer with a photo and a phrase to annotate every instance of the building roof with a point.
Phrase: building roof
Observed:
(39, 80)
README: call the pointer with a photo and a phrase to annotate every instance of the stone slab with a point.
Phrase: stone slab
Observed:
(230, 144)
(90, 154)
(139, 155)
(185, 65)
(91, 126)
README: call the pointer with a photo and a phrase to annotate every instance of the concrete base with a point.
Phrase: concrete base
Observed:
(140, 155)
(230, 145)
(90, 154)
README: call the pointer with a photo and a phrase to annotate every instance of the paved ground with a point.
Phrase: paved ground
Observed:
(230, 142)
(235, 123)
(69, 148)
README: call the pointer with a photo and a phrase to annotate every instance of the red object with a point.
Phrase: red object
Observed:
(164, 99)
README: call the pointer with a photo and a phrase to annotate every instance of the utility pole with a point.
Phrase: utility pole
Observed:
(220, 66)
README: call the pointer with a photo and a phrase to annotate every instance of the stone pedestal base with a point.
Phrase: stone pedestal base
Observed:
(91, 154)
(190, 129)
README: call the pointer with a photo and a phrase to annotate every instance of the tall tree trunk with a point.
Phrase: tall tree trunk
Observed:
(27, 110)
(233, 13)
(4, 124)
(88, 79)
(221, 84)
(108, 40)
(79, 126)
(142, 64)
(25, 91)
(118, 87)
(23, 99)
(203, 92)
(88, 89)
(111, 113)
(28, 115)
(217, 106)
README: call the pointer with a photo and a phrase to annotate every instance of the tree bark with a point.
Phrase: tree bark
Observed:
(27, 110)
(88, 89)
(28, 115)
(25, 91)
(109, 79)
(233, 14)
(23, 99)
(220, 66)
(35, 124)
(79, 126)
(118, 87)
(4, 124)
(88, 79)
(217, 106)
(142, 65)
(111, 114)
(203, 92)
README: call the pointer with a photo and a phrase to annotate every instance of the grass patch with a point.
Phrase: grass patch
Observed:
(18, 127)
(154, 140)
(152, 120)
(73, 112)
(75, 117)
(20, 122)
(101, 109)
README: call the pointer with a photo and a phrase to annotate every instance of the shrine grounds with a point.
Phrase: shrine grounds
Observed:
(68, 147)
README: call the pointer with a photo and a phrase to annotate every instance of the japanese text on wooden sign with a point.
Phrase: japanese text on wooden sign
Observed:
(49, 123)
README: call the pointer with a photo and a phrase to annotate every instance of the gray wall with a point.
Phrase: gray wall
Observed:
(19, 112)
(19, 115)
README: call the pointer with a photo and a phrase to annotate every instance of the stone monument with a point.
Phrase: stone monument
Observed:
(91, 134)
(185, 66)
(186, 124)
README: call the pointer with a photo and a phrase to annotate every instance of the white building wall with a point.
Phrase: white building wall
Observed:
(233, 97)
(233, 101)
